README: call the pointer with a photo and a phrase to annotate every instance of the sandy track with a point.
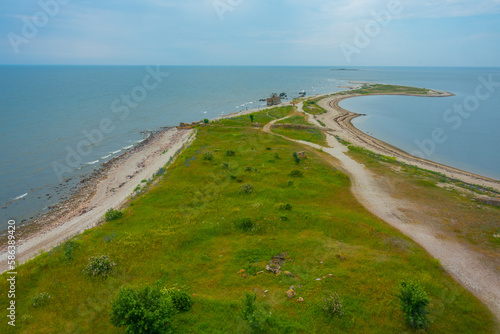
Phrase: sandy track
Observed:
(110, 192)
(467, 266)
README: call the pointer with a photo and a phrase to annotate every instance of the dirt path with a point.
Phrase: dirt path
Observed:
(467, 266)
(111, 192)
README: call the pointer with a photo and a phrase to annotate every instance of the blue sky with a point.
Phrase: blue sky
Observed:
(251, 32)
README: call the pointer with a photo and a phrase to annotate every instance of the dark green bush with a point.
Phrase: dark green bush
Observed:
(245, 224)
(296, 157)
(414, 303)
(285, 206)
(251, 118)
(254, 316)
(296, 173)
(230, 153)
(205, 121)
(180, 299)
(143, 310)
(69, 247)
(246, 189)
(208, 156)
(99, 266)
(112, 214)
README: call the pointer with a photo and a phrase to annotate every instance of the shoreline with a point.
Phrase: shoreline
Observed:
(109, 186)
(340, 121)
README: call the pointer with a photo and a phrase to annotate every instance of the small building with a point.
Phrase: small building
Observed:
(274, 100)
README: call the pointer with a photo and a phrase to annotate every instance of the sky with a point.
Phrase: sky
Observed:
(251, 32)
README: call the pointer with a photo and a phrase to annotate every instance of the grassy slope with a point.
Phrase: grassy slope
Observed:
(183, 232)
(311, 135)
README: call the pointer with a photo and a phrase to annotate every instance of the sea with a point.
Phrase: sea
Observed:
(60, 123)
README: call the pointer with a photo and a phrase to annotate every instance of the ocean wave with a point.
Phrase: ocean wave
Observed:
(92, 162)
(19, 197)
(115, 152)
(106, 156)
(127, 147)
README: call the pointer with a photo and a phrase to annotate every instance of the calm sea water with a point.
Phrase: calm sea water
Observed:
(59, 123)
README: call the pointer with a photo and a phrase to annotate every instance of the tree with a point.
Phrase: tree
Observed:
(251, 118)
(142, 310)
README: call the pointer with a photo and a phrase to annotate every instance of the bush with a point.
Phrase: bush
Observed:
(68, 249)
(208, 156)
(205, 121)
(246, 188)
(284, 218)
(40, 299)
(248, 169)
(112, 214)
(245, 224)
(268, 148)
(251, 118)
(255, 317)
(225, 165)
(296, 157)
(143, 310)
(99, 266)
(285, 207)
(333, 306)
(230, 153)
(180, 299)
(414, 301)
(276, 156)
(296, 173)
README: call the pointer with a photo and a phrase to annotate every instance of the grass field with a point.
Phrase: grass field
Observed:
(186, 231)
(307, 134)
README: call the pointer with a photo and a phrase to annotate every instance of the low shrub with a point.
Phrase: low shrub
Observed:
(245, 224)
(414, 303)
(40, 300)
(205, 121)
(99, 265)
(68, 248)
(143, 310)
(296, 173)
(246, 188)
(180, 299)
(112, 214)
(296, 157)
(333, 306)
(208, 156)
(254, 316)
(285, 207)
(230, 153)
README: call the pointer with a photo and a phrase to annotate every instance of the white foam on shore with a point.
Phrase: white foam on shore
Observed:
(107, 156)
(21, 196)
(115, 152)
(92, 162)
(126, 148)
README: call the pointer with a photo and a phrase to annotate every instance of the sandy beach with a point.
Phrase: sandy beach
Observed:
(108, 187)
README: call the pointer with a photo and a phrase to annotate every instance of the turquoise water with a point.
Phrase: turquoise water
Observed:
(48, 112)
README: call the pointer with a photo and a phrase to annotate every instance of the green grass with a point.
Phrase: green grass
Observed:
(311, 135)
(263, 117)
(311, 107)
(184, 232)
(296, 119)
